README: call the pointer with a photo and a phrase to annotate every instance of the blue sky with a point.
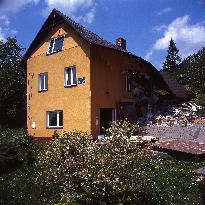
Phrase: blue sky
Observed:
(147, 25)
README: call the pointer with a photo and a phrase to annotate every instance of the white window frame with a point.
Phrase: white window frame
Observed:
(54, 44)
(44, 82)
(72, 77)
(58, 119)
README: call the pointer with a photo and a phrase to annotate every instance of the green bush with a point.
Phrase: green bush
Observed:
(16, 148)
(123, 128)
(20, 187)
(200, 99)
(97, 172)
(167, 182)
(114, 171)
(18, 173)
(202, 188)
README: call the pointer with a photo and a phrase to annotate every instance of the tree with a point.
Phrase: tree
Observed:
(12, 84)
(173, 59)
(191, 72)
(10, 53)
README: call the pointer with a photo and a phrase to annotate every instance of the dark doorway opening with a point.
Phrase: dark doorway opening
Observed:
(107, 116)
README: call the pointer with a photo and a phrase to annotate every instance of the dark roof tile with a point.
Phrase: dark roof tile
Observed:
(175, 87)
(89, 35)
(182, 146)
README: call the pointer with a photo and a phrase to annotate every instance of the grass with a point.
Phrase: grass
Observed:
(20, 187)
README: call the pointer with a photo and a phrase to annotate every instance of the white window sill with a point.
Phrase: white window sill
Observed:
(54, 127)
(43, 90)
(47, 53)
(70, 85)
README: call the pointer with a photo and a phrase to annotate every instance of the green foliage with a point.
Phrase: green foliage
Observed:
(10, 53)
(21, 188)
(16, 148)
(201, 112)
(114, 171)
(98, 172)
(18, 173)
(12, 85)
(165, 182)
(123, 128)
(200, 99)
(191, 73)
(173, 59)
(202, 188)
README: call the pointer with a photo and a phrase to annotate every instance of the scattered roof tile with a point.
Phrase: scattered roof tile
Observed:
(182, 146)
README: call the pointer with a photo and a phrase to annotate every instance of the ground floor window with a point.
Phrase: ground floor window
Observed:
(54, 119)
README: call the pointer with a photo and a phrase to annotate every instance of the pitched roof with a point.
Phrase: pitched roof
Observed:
(89, 36)
(175, 87)
(56, 18)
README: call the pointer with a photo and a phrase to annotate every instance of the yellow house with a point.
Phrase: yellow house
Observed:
(76, 79)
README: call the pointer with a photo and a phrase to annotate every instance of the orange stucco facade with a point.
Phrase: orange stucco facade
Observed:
(108, 71)
(75, 101)
(104, 71)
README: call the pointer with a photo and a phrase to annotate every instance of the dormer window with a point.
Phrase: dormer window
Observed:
(55, 45)
(70, 78)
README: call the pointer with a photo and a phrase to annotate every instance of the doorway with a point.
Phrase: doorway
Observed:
(107, 116)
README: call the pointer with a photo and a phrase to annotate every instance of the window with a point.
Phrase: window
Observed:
(70, 76)
(128, 83)
(54, 119)
(55, 45)
(42, 81)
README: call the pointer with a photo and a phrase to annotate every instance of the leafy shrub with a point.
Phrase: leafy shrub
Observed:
(98, 172)
(115, 171)
(16, 148)
(123, 128)
(200, 99)
(8, 158)
(201, 112)
(165, 182)
(21, 188)
(202, 188)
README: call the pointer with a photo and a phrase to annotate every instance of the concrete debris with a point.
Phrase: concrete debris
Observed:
(146, 138)
(200, 172)
(183, 115)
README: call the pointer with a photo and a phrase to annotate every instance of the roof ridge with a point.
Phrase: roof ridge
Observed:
(90, 36)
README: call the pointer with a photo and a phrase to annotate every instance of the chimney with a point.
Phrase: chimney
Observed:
(121, 42)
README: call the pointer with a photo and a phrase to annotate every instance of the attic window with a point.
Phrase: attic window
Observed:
(55, 45)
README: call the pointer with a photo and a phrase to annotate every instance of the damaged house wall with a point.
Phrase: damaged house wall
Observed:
(110, 72)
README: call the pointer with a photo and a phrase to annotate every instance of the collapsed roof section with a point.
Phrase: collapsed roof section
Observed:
(174, 86)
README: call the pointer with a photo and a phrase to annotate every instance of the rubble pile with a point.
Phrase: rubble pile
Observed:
(183, 115)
